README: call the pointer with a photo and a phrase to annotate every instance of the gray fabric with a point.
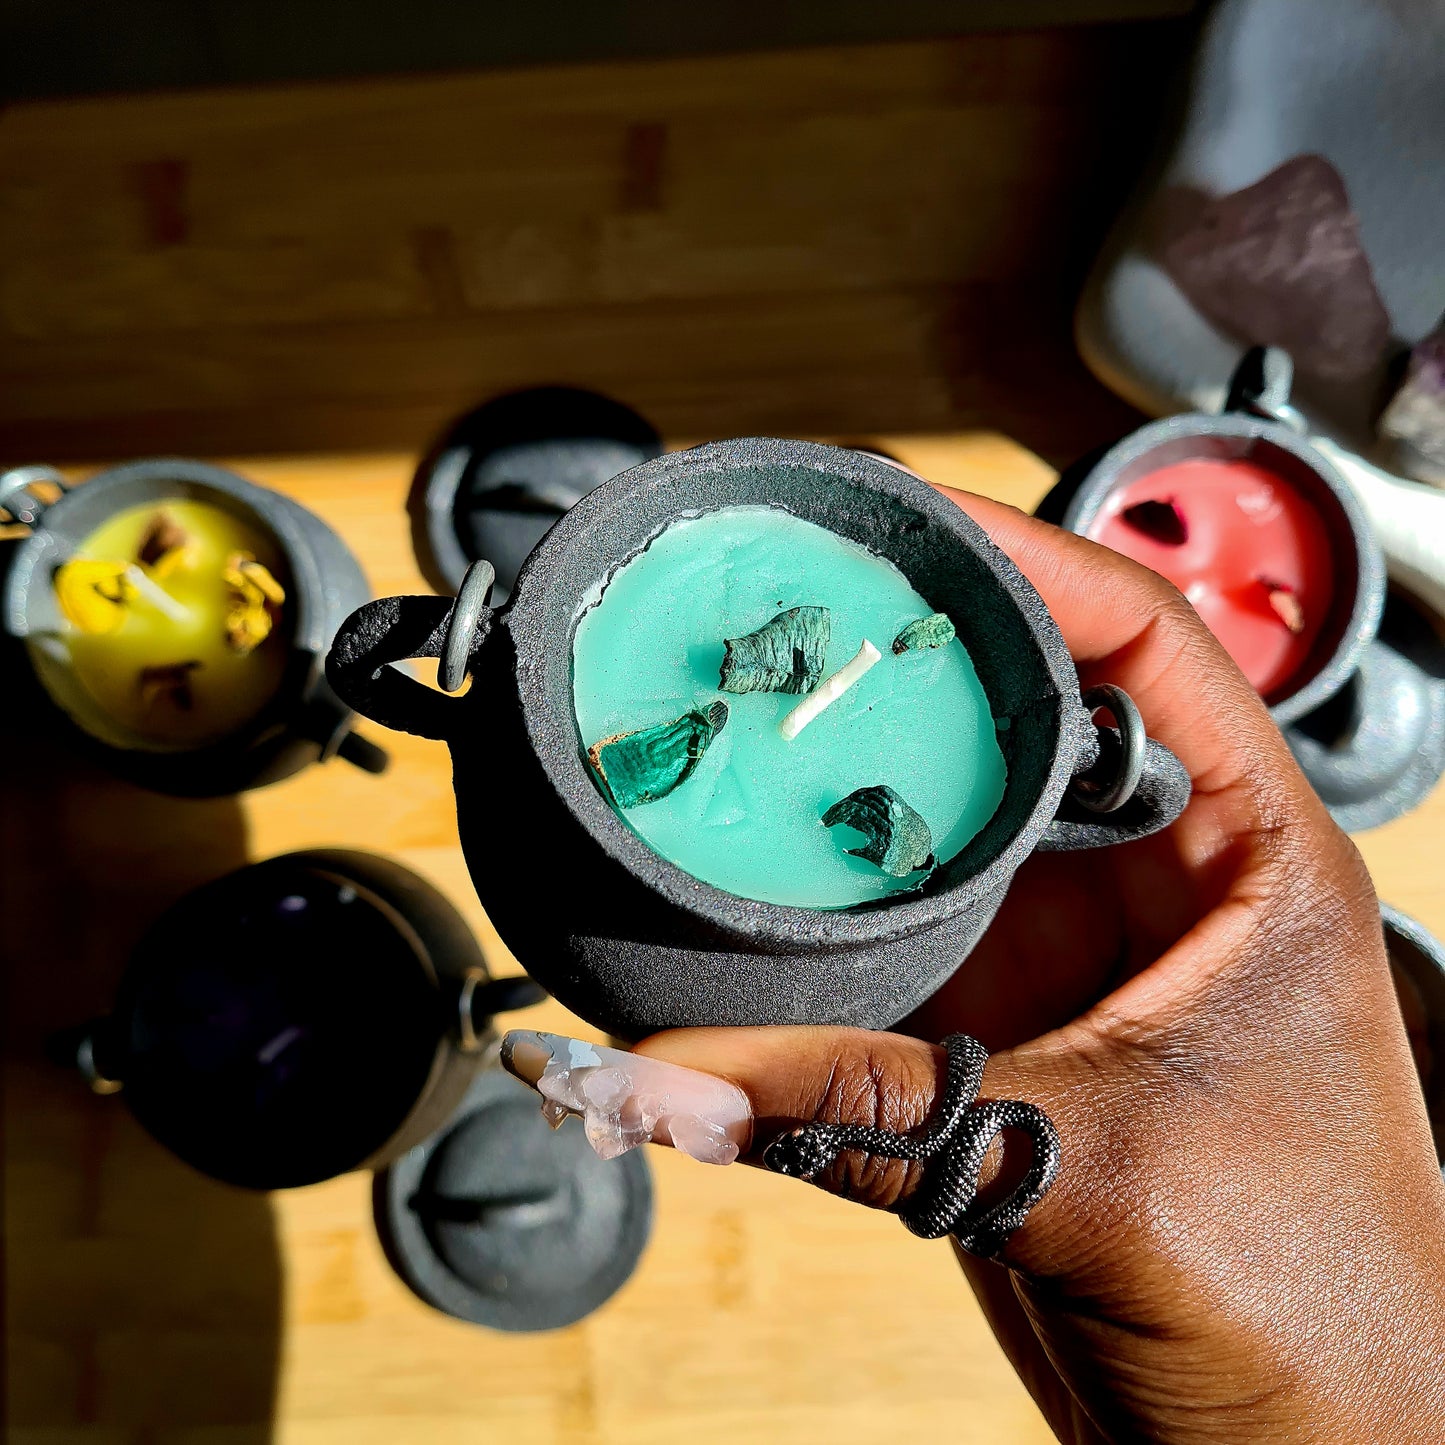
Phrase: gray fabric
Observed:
(1356, 81)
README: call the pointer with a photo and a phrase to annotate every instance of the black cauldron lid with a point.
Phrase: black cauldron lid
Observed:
(498, 1220)
(506, 471)
(1377, 748)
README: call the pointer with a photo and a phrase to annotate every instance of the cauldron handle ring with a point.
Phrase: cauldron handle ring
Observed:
(17, 500)
(1128, 787)
(393, 629)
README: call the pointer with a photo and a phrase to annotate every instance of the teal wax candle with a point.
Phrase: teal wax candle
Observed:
(748, 818)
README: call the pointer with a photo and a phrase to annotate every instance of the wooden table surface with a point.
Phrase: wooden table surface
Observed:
(146, 1304)
(881, 237)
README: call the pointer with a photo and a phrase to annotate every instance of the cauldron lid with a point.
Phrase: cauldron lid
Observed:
(499, 1221)
(1377, 748)
(506, 471)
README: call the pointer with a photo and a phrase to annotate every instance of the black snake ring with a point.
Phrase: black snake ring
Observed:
(951, 1145)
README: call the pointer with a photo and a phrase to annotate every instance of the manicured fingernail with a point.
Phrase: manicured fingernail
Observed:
(628, 1099)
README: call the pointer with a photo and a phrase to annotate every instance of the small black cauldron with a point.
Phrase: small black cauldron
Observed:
(630, 941)
(297, 1019)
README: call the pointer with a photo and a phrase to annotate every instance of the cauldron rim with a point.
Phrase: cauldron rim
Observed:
(258, 503)
(715, 472)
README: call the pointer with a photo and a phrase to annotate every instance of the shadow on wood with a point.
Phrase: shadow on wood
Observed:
(142, 1298)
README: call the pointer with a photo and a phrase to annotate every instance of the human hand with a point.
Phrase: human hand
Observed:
(1246, 1240)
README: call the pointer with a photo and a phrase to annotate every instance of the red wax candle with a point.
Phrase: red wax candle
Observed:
(1248, 550)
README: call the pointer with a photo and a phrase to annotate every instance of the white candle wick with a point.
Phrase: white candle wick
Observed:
(156, 595)
(829, 691)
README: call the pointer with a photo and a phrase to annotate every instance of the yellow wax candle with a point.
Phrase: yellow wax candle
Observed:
(175, 661)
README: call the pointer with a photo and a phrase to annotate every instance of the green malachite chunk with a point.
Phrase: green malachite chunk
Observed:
(935, 631)
(785, 655)
(898, 839)
(644, 766)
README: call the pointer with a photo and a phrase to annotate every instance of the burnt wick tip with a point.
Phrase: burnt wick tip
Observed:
(1162, 521)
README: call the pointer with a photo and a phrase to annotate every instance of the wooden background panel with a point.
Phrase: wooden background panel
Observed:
(1010, 65)
(850, 238)
(72, 47)
(943, 357)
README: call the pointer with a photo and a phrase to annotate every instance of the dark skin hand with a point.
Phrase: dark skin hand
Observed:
(1246, 1241)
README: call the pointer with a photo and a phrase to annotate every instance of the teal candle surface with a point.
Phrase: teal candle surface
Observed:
(748, 818)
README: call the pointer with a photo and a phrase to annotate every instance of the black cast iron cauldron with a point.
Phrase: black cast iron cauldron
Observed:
(630, 941)
(301, 724)
(297, 1019)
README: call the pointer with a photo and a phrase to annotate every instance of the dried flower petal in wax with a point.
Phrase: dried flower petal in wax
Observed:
(94, 595)
(1160, 521)
(163, 545)
(255, 599)
(926, 632)
(787, 654)
(170, 684)
(643, 766)
(899, 841)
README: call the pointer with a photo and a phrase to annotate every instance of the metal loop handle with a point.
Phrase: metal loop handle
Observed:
(1088, 790)
(16, 498)
(482, 997)
(393, 629)
(1127, 785)
(466, 616)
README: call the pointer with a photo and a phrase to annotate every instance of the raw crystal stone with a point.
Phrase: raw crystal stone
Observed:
(1416, 414)
(628, 1099)
(936, 630)
(898, 840)
(700, 1139)
(786, 654)
(614, 1131)
(605, 1088)
(643, 766)
(1281, 263)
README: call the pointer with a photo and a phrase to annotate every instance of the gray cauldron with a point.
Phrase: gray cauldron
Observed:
(628, 940)
(303, 723)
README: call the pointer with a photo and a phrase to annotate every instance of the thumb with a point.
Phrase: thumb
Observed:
(724, 1093)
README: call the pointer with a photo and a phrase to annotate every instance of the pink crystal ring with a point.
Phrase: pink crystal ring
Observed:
(952, 1146)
